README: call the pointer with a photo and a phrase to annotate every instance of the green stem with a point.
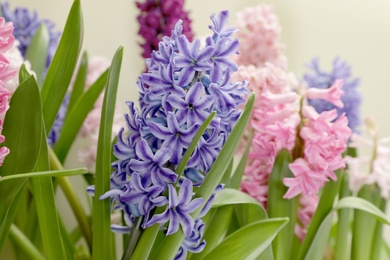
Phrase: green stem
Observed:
(73, 200)
(343, 225)
(378, 236)
(24, 243)
(135, 234)
(363, 227)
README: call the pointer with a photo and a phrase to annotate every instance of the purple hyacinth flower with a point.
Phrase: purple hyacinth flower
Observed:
(194, 242)
(317, 78)
(195, 107)
(219, 26)
(178, 210)
(176, 138)
(191, 59)
(151, 167)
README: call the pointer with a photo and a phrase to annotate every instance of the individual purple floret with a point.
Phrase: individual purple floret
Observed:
(157, 19)
(178, 210)
(183, 85)
(26, 23)
(317, 78)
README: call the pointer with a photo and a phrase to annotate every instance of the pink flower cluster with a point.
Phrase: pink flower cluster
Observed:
(324, 142)
(6, 73)
(259, 35)
(281, 119)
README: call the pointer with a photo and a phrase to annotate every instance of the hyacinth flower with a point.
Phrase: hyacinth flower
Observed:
(259, 36)
(26, 24)
(157, 19)
(7, 73)
(320, 79)
(315, 140)
(183, 85)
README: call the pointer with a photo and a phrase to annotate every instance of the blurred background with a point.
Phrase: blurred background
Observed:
(355, 30)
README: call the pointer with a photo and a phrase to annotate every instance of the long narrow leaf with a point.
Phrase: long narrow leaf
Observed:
(57, 173)
(364, 226)
(248, 242)
(76, 116)
(45, 203)
(172, 243)
(22, 129)
(325, 206)
(281, 207)
(79, 83)
(101, 208)
(25, 244)
(239, 172)
(316, 248)
(61, 69)
(37, 50)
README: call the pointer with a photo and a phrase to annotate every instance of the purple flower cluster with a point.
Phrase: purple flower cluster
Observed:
(184, 84)
(26, 24)
(316, 78)
(157, 19)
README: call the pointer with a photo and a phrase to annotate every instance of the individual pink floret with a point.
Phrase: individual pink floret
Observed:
(332, 94)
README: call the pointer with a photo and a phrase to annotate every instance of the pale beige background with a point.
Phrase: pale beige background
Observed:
(356, 30)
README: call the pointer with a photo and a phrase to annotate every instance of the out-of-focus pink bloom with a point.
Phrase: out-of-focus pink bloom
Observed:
(259, 36)
(372, 167)
(332, 94)
(15, 58)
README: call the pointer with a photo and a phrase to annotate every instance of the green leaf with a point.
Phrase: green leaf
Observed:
(23, 73)
(317, 247)
(342, 250)
(22, 128)
(217, 230)
(37, 51)
(79, 83)
(364, 205)
(172, 243)
(325, 206)
(57, 173)
(45, 203)
(101, 208)
(64, 62)
(281, 207)
(76, 116)
(378, 233)
(239, 172)
(25, 244)
(233, 196)
(364, 225)
(248, 242)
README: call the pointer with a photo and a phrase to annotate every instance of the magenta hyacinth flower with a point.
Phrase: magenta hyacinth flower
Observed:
(158, 19)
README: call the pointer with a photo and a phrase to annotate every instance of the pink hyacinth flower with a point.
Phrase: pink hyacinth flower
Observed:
(332, 94)
(306, 180)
